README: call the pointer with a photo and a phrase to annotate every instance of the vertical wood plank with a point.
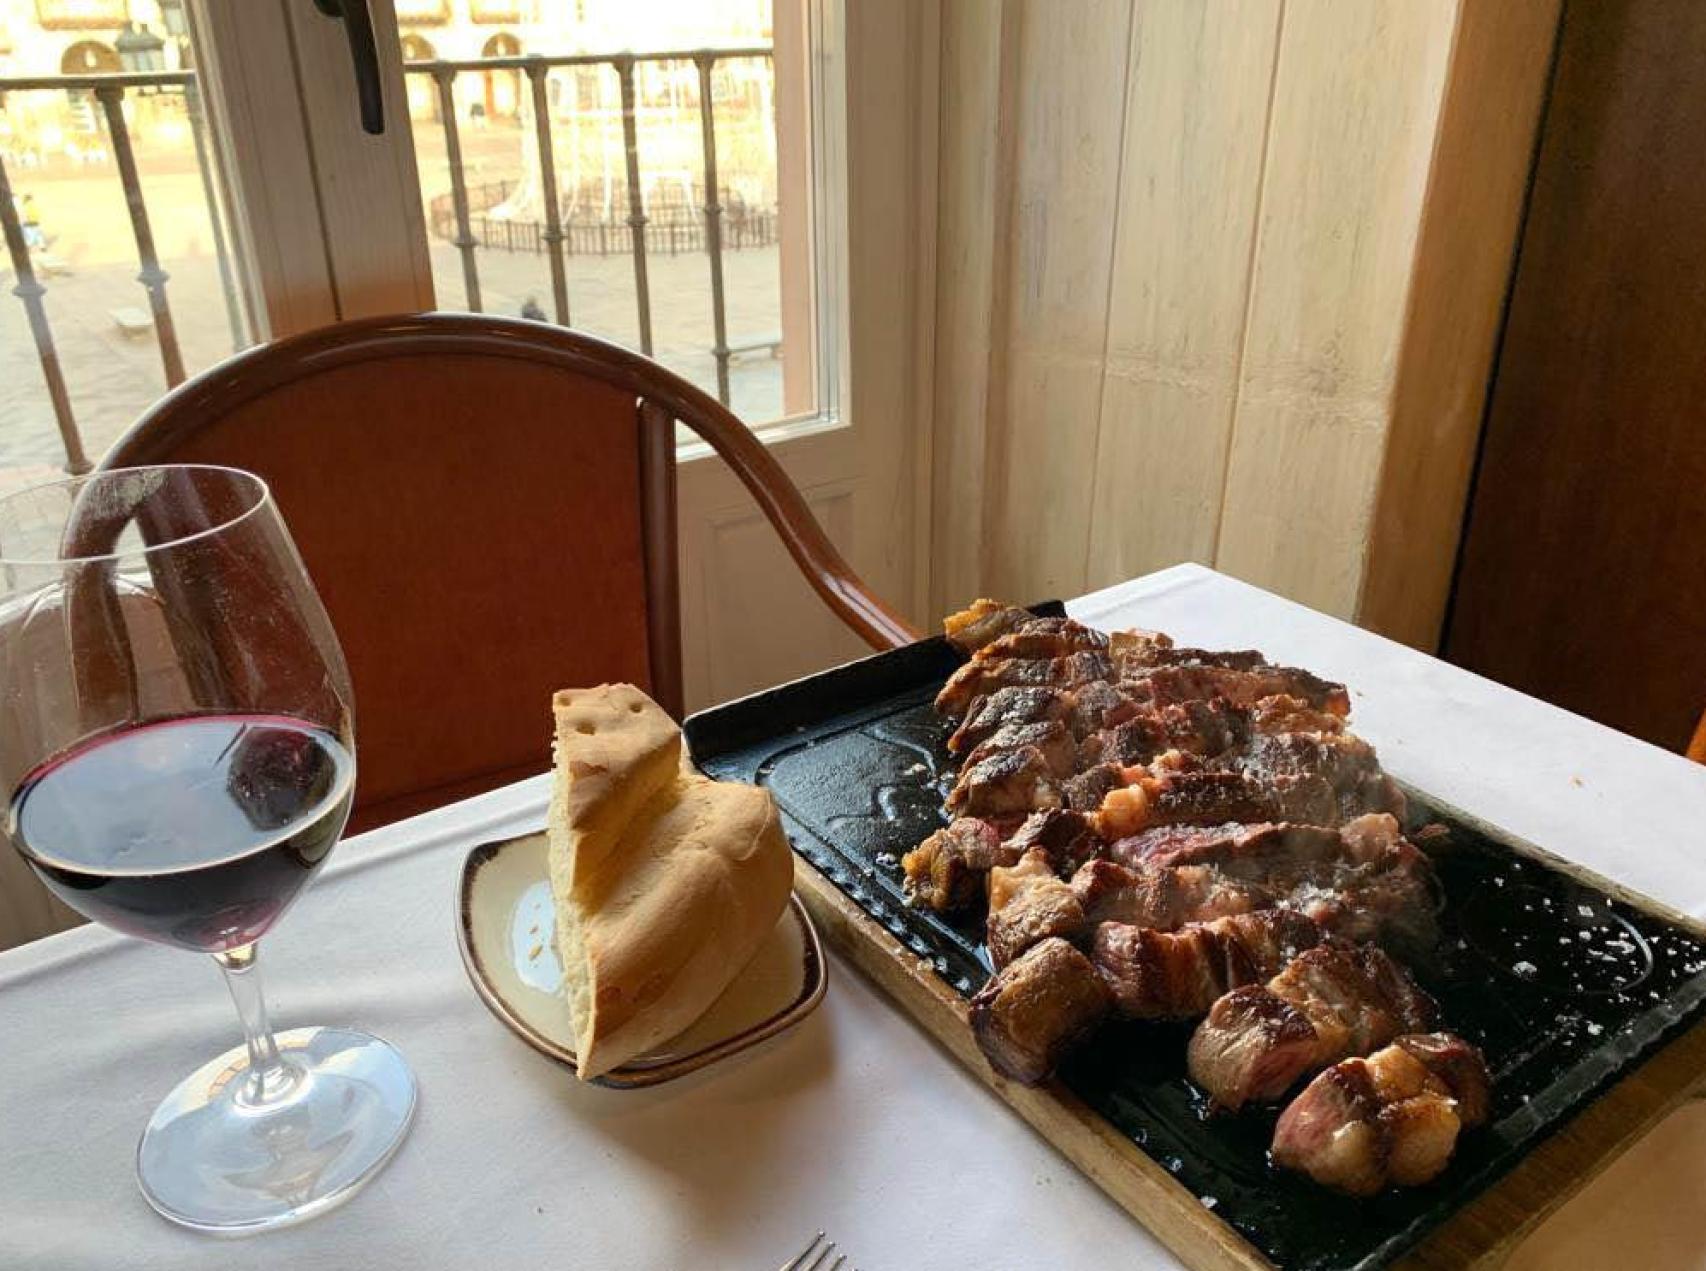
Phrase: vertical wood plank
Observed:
(1070, 113)
(890, 270)
(1196, 123)
(1351, 137)
(1497, 83)
(979, 43)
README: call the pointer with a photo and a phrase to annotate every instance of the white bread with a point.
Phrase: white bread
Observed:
(665, 881)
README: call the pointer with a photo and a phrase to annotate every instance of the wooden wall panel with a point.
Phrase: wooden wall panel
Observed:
(1239, 310)
(1584, 571)
(747, 571)
(1046, 395)
(1197, 122)
(1352, 133)
(979, 64)
(1494, 91)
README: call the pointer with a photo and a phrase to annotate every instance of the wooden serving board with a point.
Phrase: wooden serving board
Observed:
(1587, 1056)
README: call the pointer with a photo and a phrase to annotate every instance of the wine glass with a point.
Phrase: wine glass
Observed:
(177, 755)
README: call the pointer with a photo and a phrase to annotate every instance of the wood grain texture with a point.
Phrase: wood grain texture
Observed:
(1197, 123)
(1583, 578)
(1483, 153)
(1481, 1235)
(978, 79)
(1357, 94)
(1286, 359)
(1070, 120)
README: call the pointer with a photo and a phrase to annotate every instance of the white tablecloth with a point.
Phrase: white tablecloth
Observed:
(853, 1122)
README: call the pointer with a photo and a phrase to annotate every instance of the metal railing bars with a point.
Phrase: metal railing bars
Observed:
(109, 90)
(553, 239)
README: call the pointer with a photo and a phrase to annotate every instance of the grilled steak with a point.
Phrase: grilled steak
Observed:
(1179, 974)
(947, 870)
(1033, 1011)
(982, 622)
(1005, 783)
(1164, 899)
(1008, 707)
(1194, 728)
(1289, 761)
(1176, 795)
(1051, 737)
(1284, 714)
(982, 676)
(1391, 1119)
(1065, 837)
(1028, 903)
(1085, 792)
(1242, 686)
(1044, 638)
(1363, 881)
(1333, 1001)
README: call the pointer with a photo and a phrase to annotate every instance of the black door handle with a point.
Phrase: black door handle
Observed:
(364, 57)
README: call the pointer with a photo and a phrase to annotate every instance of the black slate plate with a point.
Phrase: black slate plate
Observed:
(1565, 989)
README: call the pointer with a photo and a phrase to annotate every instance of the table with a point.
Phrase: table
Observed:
(853, 1122)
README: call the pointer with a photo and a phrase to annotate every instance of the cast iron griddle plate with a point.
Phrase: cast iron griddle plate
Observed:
(1565, 989)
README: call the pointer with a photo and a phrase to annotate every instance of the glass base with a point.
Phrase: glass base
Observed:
(216, 1158)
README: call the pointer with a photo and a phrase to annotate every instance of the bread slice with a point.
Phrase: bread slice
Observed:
(665, 881)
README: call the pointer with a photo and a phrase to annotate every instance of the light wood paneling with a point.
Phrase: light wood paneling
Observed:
(1070, 114)
(747, 578)
(1197, 112)
(1274, 364)
(977, 127)
(1499, 68)
(1357, 93)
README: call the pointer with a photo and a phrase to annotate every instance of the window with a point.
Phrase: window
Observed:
(85, 345)
(552, 229)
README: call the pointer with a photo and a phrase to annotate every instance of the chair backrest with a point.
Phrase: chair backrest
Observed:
(487, 507)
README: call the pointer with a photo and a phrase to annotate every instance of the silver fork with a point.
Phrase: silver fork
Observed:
(822, 1248)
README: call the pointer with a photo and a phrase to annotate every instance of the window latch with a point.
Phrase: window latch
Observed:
(364, 58)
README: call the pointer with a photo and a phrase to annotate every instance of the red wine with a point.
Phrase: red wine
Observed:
(197, 831)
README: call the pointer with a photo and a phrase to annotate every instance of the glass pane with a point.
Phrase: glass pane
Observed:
(121, 323)
(494, 227)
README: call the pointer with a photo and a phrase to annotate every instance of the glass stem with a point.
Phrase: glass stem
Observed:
(269, 1078)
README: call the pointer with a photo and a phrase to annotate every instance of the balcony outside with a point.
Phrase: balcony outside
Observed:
(62, 161)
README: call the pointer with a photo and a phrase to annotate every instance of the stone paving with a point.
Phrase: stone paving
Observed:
(112, 377)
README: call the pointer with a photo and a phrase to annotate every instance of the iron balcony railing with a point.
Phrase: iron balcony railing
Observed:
(555, 236)
(109, 90)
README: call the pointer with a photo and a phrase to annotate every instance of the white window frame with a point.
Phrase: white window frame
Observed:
(329, 223)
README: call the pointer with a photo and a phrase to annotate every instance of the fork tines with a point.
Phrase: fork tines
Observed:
(822, 1249)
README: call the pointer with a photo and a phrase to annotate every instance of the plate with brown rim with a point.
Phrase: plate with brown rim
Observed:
(506, 933)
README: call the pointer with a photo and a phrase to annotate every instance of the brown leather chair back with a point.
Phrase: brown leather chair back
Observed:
(486, 506)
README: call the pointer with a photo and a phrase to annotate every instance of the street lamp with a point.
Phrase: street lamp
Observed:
(139, 49)
(177, 19)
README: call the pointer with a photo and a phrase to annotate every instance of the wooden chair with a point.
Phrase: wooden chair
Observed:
(1697, 747)
(487, 507)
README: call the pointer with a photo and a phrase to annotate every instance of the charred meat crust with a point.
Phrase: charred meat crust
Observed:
(1350, 1000)
(1180, 974)
(1391, 1118)
(1036, 1009)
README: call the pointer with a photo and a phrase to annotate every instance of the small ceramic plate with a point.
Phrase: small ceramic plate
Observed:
(506, 929)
